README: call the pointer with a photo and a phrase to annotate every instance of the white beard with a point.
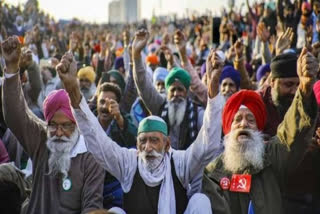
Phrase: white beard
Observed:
(243, 153)
(60, 147)
(176, 111)
(151, 165)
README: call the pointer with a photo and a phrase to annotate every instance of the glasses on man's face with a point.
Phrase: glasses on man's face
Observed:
(66, 127)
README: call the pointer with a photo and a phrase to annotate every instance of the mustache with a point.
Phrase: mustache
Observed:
(152, 154)
(177, 99)
(62, 139)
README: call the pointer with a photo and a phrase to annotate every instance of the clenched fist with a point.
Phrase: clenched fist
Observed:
(139, 42)
(308, 67)
(26, 58)
(11, 51)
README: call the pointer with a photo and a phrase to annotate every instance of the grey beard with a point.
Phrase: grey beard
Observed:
(59, 158)
(241, 155)
(176, 111)
(152, 165)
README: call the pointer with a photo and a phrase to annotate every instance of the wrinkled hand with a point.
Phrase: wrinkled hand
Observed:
(214, 72)
(67, 70)
(11, 52)
(180, 42)
(308, 67)
(284, 41)
(238, 48)
(26, 58)
(139, 42)
(263, 32)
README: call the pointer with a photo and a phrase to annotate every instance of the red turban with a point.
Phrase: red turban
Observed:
(252, 101)
(55, 101)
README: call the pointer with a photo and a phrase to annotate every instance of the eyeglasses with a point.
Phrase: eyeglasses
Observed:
(53, 127)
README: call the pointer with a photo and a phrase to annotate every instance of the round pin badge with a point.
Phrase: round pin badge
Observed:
(66, 184)
(225, 183)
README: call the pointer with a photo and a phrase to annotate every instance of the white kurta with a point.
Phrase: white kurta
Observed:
(122, 162)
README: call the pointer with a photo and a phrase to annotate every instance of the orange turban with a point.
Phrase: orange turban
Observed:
(152, 59)
(252, 101)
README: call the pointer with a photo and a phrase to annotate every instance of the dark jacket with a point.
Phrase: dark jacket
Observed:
(282, 154)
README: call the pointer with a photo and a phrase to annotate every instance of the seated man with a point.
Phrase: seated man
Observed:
(66, 178)
(250, 175)
(183, 116)
(155, 173)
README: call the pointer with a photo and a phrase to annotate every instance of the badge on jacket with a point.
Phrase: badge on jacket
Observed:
(240, 183)
(66, 184)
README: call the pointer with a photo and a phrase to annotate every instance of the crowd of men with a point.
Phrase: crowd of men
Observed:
(197, 115)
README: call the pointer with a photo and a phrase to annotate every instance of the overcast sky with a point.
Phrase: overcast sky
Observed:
(97, 10)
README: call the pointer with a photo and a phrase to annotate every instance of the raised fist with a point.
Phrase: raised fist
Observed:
(67, 70)
(11, 51)
(139, 42)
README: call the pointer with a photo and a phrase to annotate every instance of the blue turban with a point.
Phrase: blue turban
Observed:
(118, 63)
(262, 70)
(229, 72)
(160, 74)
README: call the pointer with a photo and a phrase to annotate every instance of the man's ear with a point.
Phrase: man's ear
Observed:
(168, 144)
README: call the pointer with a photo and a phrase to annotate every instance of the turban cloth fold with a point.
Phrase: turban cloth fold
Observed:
(316, 90)
(152, 59)
(180, 75)
(252, 101)
(229, 72)
(284, 66)
(262, 70)
(160, 74)
(118, 63)
(57, 100)
(87, 73)
(119, 78)
(153, 124)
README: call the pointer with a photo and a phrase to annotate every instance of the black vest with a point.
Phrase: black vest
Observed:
(144, 199)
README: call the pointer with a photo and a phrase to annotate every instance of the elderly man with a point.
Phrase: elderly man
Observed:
(180, 113)
(66, 178)
(229, 81)
(86, 77)
(250, 175)
(155, 173)
(159, 77)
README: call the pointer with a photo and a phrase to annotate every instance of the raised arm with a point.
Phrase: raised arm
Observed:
(207, 145)
(120, 162)
(151, 98)
(297, 128)
(21, 121)
(196, 86)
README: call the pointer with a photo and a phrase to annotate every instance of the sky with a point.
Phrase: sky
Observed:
(97, 10)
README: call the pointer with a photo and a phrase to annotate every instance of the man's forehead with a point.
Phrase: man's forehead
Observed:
(150, 134)
(244, 111)
(288, 79)
(176, 84)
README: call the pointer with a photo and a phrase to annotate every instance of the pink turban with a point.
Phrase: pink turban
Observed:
(316, 90)
(55, 101)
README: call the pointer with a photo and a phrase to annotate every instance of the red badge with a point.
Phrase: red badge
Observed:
(240, 183)
(225, 183)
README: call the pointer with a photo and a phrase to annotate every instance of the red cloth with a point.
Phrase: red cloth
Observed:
(55, 101)
(252, 101)
(316, 90)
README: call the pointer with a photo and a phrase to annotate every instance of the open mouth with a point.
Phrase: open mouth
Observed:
(243, 135)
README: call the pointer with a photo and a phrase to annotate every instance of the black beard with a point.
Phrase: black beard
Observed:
(282, 102)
